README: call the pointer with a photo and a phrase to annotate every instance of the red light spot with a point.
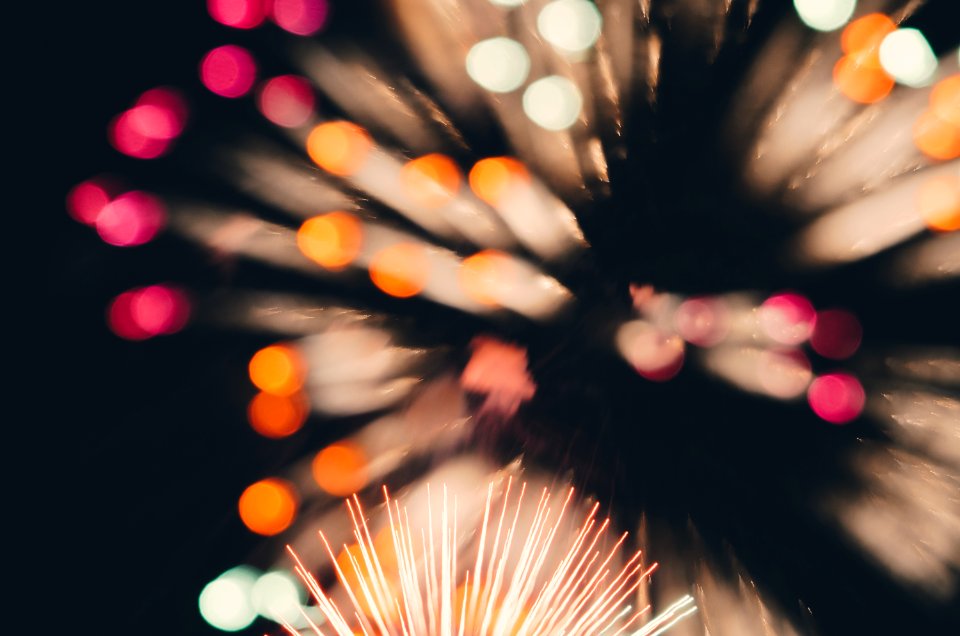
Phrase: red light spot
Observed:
(146, 312)
(787, 318)
(228, 71)
(131, 219)
(239, 14)
(836, 397)
(702, 321)
(300, 17)
(87, 199)
(837, 334)
(127, 135)
(287, 101)
(173, 108)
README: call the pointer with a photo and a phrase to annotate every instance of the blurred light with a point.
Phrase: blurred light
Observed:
(331, 240)
(120, 317)
(704, 322)
(862, 83)
(300, 17)
(277, 370)
(570, 25)
(836, 397)
(432, 180)
(787, 318)
(277, 416)
(484, 274)
(783, 374)
(277, 595)
(340, 469)
(499, 371)
(837, 334)
(825, 15)
(87, 199)
(939, 201)
(655, 354)
(133, 218)
(945, 99)
(239, 14)
(935, 137)
(339, 147)
(287, 100)
(906, 55)
(863, 36)
(552, 102)
(159, 310)
(228, 71)
(225, 601)
(127, 137)
(400, 270)
(491, 179)
(499, 64)
(268, 507)
(508, 3)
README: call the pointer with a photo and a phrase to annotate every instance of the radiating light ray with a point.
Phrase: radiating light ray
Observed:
(921, 419)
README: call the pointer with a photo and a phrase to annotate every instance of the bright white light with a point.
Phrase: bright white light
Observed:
(276, 596)
(552, 102)
(906, 55)
(225, 601)
(570, 25)
(507, 3)
(825, 15)
(498, 64)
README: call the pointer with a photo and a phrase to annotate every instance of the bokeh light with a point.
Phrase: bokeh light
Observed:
(159, 310)
(654, 353)
(401, 270)
(508, 3)
(570, 25)
(277, 416)
(339, 147)
(862, 83)
(228, 71)
(225, 602)
(287, 100)
(499, 64)
(939, 202)
(269, 506)
(493, 178)
(277, 595)
(125, 134)
(825, 15)
(935, 137)
(787, 318)
(702, 321)
(864, 35)
(945, 99)
(133, 218)
(340, 469)
(837, 334)
(906, 55)
(552, 102)
(836, 397)
(331, 240)
(278, 370)
(485, 275)
(432, 180)
(87, 199)
(783, 374)
(239, 14)
(300, 17)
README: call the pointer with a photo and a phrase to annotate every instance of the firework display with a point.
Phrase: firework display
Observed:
(507, 276)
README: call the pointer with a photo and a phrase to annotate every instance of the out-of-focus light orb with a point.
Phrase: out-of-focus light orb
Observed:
(277, 595)
(269, 506)
(340, 469)
(784, 374)
(837, 334)
(173, 105)
(492, 179)
(331, 240)
(339, 147)
(126, 134)
(87, 199)
(225, 602)
(507, 3)
(300, 17)
(862, 83)
(287, 100)
(485, 276)
(863, 36)
(936, 138)
(277, 370)
(228, 71)
(655, 354)
(401, 270)
(499, 64)
(836, 397)
(945, 99)
(277, 416)
(160, 310)
(906, 55)
(825, 15)
(432, 180)
(239, 14)
(552, 102)
(133, 218)
(704, 322)
(570, 25)
(120, 317)
(939, 203)
(787, 318)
